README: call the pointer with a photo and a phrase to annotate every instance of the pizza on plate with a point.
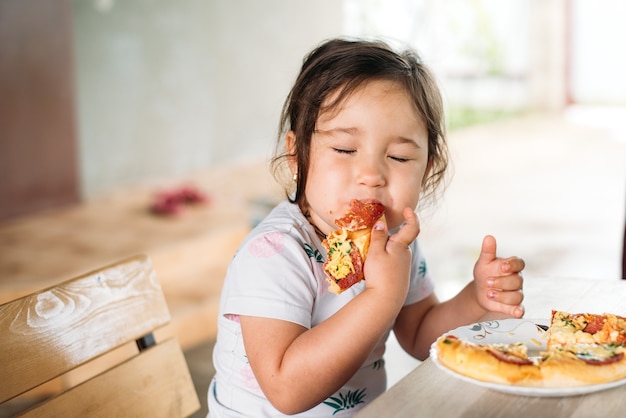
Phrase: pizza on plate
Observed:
(347, 247)
(582, 349)
(497, 363)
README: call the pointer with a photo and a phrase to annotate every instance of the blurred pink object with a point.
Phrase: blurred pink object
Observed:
(172, 202)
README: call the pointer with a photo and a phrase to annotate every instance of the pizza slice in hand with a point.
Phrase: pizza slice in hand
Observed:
(347, 247)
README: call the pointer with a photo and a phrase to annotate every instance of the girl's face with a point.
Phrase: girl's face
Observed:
(373, 147)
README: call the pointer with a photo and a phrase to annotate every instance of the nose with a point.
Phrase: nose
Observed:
(371, 174)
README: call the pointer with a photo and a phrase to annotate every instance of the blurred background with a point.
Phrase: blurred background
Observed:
(153, 88)
(103, 103)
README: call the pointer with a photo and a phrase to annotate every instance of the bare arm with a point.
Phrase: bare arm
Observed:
(419, 324)
(496, 287)
(299, 368)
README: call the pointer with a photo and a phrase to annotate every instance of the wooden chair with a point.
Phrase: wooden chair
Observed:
(82, 326)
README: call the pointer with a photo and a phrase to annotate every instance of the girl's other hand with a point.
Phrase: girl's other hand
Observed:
(498, 281)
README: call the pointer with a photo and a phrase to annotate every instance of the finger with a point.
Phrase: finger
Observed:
(379, 234)
(514, 309)
(409, 231)
(512, 282)
(506, 297)
(517, 311)
(512, 265)
(488, 249)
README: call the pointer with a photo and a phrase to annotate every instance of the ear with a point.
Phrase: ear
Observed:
(290, 144)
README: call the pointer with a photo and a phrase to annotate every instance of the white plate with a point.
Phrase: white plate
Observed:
(509, 331)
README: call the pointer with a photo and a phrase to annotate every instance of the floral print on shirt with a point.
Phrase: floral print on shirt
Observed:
(346, 400)
(267, 245)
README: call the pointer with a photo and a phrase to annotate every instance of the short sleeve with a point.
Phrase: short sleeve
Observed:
(421, 285)
(271, 277)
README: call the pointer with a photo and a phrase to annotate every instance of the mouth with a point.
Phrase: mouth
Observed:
(347, 205)
(371, 201)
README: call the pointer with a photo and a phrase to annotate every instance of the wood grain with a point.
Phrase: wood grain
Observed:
(132, 389)
(53, 331)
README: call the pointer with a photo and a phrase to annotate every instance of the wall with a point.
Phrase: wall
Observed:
(166, 88)
(38, 167)
(598, 65)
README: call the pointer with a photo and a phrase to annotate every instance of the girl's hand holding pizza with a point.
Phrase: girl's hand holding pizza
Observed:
(389, 259)
(498, 281)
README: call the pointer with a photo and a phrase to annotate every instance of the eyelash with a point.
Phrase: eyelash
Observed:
(349, 151)
(343, 151)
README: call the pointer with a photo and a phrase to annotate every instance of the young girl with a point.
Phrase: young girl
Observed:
(361, 122)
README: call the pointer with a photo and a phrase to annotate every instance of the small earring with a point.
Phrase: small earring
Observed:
(295, 178)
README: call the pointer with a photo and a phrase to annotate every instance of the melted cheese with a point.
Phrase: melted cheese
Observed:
(517, 349)
(565, 331)
(594, 352)
(588, 352)
(339, 259)
(566, 337)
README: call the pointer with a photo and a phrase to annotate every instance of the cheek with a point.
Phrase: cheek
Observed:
(328, 172)
(405, 193)
(411, 181)
(319, 185)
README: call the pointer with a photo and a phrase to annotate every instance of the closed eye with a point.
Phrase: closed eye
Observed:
(399, 159)
(344, 151)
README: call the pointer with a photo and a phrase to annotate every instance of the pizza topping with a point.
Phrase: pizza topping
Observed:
(570, 323)
(360, 215)
(510, 353)
(592, 354)
(347, 247)
(595, 325)
(591, 359)
(353, 276)
(567, 329)
(339, 262)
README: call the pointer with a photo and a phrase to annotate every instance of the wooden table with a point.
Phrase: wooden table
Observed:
(429, 392)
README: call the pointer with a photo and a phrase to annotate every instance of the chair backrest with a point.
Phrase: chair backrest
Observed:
(77, 325)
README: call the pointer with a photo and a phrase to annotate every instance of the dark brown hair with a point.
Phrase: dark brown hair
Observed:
(341, 66)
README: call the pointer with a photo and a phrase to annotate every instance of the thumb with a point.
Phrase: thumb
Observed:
(488, 250)
(379, 233)
(409, 231)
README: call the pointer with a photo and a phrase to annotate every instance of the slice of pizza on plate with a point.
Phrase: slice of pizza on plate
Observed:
(498, 363)
(573, 328)
(582, 350)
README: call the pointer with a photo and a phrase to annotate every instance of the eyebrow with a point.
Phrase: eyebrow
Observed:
(351, 131)
(405, 140)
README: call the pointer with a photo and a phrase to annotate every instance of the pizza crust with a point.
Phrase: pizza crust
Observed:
(580, 352)
(476, 362)
(567, 371)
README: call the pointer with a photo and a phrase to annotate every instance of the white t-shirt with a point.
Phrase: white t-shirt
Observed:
(277, 273)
